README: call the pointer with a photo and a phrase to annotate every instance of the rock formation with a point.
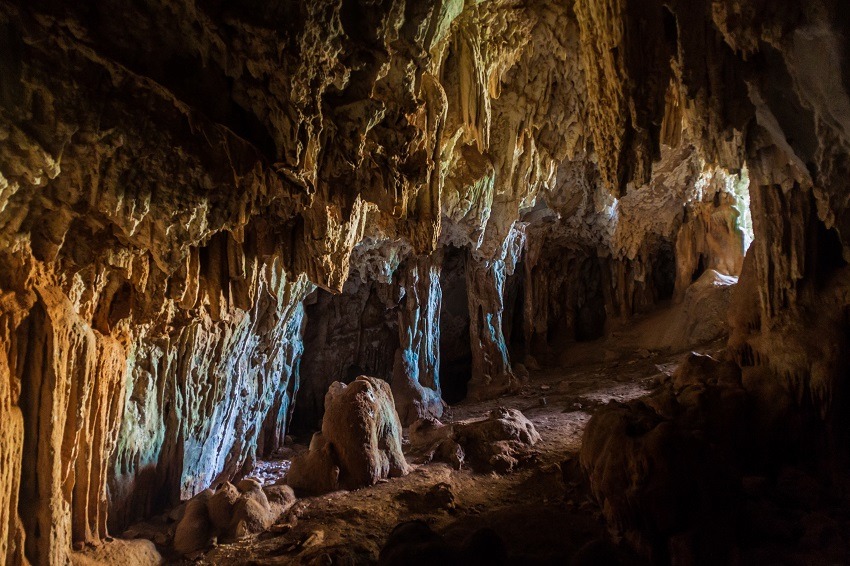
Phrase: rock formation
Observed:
(180, 183)
(498, 442)
(663, 467)
(359, 444)
(229, 513)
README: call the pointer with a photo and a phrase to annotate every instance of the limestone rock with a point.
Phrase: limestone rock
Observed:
(652, 463)
(231, 513)
(220, 505)
(499, 442)
(280, 498)
(195, 530)
(360, 440)
(169, 200)
(317, 470)
(138, 552)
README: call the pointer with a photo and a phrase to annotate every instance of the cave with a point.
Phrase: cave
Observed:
(356, 282)
(455, 349)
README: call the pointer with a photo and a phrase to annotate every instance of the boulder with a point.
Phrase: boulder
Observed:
(280, 497)
(502, 424)
(498, 442)
(359, 444)
(195, 530)
(431, 440)
(252, 512)
(315, 471)
(251, 515)
(231, 513)
(666, 469)
(220, 505)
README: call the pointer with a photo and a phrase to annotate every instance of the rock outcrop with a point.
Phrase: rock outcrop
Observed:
(498, 442)
(230, 513)
(359, 444)
(666, 469)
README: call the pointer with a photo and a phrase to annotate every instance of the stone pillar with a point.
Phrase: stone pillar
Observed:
(491, 367)
(416, 382)
(709, 238)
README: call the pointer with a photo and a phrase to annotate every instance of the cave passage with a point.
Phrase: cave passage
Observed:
(359, 282)
(455, 349)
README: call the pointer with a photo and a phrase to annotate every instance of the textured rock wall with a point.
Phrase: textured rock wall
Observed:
(750, 84)
(491, 367)
(761, 85)
(389, 330)
(197, 399)
(416, 371)
(572, 294)
(795, 340)
(455, 347)
(346, 335)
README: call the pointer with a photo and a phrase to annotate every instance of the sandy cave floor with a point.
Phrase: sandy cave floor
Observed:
(542, 511)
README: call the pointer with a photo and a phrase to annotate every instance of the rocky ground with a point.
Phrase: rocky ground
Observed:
(542, 511)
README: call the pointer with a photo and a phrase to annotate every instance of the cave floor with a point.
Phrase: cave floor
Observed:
(542, 511)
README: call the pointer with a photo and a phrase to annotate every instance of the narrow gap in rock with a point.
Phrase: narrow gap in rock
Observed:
(455, 350)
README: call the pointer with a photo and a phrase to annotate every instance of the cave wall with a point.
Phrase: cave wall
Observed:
(349, 334)
(789, 328)
(777, 73)
(176, 179)
(416, 369)
(455, 346)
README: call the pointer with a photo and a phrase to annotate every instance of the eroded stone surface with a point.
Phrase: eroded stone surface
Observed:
(229, 513)
(498, 442)
(359, 444)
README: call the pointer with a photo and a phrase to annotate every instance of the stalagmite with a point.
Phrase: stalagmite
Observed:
(216, 217)
(359, 444)
(491, 366)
